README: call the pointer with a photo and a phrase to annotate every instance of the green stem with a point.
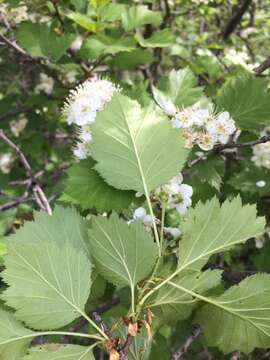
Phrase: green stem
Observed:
(91, 322)
(154, 223)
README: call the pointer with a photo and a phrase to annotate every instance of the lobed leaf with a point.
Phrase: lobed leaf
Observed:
(60, 352)
(123, 254)
(239, 319)
(210, 228)
(48, 286)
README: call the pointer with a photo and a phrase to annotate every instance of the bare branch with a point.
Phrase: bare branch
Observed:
(263, 66)
(261, 140)
(38, 193)
(178, 355)
(236, 19)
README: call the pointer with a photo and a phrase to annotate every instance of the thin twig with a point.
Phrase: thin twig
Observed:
(178, 355)
(236, 19)
(263, 66)
(261, 140)
(124, 351)
(38, 193)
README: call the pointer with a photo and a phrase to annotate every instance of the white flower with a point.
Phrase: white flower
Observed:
(80, 151)
(46, 84)
(207, 141)
(261, 155)
(76, 43)
(83, 103)
(178, 195)
(141, 214)
(6, 162)
(260, 183)
(173, 231)
(17, 126)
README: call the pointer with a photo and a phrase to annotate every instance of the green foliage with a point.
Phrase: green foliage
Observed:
(242, 309)
(171, 304)
(142, 256)
(248, 101)
(84, 187)
(59, 352)
(135, 148)
(211, 228)
(124, 254)
(55, 287)
(14, 338)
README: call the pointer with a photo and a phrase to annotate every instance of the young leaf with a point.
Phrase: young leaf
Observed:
(248, 101)
(211, 228)
(239, 319)
(172, 304)
(48, 286)
(60, 352)
(65, 226)
(14, 337)
(85, 187)
(138, 15)
(97, 46)
(83, 20)
(124, 254)
(135, 149)
(180, 87)
(160, 39)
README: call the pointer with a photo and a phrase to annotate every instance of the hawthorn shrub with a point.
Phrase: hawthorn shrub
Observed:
(134, 199)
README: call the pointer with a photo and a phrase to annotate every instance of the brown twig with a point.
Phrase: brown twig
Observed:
(235, 20)
(57, 12)
(178, 355)
(263, 66)
(124, 351)
(261, 140)
(38, 193)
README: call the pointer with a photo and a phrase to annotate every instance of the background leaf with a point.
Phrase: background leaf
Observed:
(248, 101)
(86, 188)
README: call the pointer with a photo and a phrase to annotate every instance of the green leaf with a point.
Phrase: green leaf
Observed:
(247, 100)
(85, 187)
(135, 149)
(111, 12)
(210, 228)
(210, 170)
(41, 40)
(172, 304)
(123, 254)
(130, 60)
(48, 286)
(139, 15)
(239, 319)
(14, 337)
(97, 46)
(179, 88)
(64, 226)
(160, 39)
(60, 352)
(83, 20)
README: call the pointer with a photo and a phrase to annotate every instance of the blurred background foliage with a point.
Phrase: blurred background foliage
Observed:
(48, 47)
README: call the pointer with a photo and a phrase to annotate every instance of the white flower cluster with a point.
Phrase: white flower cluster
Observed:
(203, 127)
(6, 161)
(13, 15)
(82, 106)
(46, 84)
(141, 214)
(177, 195)
(261, 155)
